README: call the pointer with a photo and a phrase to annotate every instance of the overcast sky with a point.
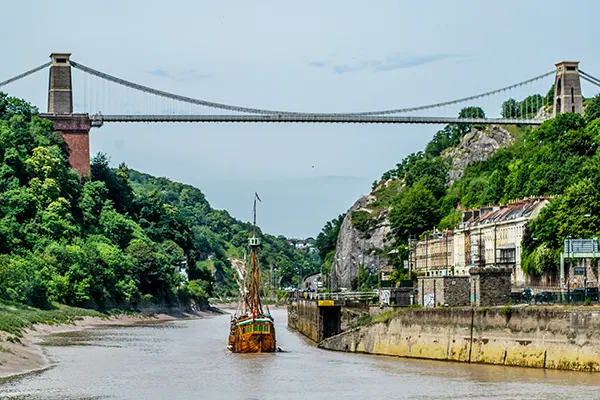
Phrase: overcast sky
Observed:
(304, 56)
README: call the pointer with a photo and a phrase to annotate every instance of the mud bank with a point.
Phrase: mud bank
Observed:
(539, 337)
(21, 355)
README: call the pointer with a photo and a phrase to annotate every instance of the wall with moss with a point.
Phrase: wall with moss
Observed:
(540, 337)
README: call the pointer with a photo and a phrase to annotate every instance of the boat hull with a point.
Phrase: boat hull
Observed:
(248, 336)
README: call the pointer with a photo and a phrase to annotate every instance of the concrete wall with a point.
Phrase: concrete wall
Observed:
(544, 337)
(314, 322)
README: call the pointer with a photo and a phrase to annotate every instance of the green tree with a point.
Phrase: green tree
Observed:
(414, 211)
(327, 238)
(592, 110)
(510, 109)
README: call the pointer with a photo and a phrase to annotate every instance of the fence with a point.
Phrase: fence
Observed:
(544, 297)
(348, 296)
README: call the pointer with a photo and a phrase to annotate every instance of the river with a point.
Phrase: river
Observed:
(188, 360)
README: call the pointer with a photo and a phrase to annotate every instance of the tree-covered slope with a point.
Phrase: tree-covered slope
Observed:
(108, 240)
(218, 237)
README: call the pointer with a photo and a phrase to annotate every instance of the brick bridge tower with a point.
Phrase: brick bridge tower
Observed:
(567, 88)
(74, 128)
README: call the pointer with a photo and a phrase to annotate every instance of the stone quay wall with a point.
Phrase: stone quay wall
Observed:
(490, 286)
(441, 290)
(540, 337)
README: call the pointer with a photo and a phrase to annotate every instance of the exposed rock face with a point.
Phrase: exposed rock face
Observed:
(354, 248)
(477, 145)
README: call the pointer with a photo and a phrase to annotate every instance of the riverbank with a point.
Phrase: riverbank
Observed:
(24, 329)
(539, 337)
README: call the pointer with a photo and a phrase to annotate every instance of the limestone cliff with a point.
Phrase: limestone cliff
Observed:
(477, 145)
(354, 245)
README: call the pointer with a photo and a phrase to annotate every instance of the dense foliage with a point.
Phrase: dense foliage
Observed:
(560, 158)
(217, 237)
(116, 239)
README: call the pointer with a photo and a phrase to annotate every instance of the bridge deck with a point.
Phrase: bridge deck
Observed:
(98, 120)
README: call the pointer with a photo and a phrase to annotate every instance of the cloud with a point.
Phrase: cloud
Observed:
(389, 63)
(191, 75)
(161, 73)
(400, 62)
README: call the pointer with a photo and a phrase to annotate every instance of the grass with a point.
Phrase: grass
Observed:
(14, 318)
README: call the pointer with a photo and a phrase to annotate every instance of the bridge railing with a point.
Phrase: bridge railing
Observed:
(346, 296)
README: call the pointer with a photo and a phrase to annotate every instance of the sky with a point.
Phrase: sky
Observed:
(321, 56)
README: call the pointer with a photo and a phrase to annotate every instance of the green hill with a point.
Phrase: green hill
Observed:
(115, 239)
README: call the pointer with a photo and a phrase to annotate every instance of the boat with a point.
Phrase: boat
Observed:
(251, 329)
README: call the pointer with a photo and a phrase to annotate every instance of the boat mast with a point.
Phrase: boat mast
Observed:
(254, 244)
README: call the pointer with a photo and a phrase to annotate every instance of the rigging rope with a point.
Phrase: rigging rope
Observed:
(24, 74)
(211, 104)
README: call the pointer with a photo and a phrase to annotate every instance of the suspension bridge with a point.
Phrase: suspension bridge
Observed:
(106, 98)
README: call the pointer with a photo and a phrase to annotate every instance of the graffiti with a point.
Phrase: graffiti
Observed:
(428, 300)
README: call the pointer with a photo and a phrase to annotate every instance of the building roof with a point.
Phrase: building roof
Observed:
(524, 208)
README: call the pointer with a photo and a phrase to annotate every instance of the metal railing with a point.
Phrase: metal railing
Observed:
(582, 296)
(345, 296)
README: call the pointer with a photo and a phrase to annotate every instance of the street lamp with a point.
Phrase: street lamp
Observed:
(360, 257)
(378, 271)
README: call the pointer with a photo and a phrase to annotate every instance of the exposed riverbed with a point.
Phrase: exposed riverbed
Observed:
(188, 360)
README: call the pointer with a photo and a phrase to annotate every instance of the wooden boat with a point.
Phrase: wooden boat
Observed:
(252, 330)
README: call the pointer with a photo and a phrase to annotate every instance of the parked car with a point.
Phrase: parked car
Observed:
(544, 297)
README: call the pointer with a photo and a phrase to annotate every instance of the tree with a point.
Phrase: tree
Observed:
(531, 105)
(510, 109)
(414, 211)
(592, 111)
(327, 238)
(117, 182)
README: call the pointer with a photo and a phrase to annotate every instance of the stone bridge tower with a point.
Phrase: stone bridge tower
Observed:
(567, 88)
(74, 128)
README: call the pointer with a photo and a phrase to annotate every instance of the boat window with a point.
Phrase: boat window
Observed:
(255, 328)
(260, 328)
(267, 328)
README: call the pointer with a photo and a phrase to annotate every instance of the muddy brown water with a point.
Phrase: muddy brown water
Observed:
(188, 360)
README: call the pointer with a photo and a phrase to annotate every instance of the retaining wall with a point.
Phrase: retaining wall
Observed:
(541, 337)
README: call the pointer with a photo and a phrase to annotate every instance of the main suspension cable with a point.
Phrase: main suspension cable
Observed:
(229, 107)
(24, 74)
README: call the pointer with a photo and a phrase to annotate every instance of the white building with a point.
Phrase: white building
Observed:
(493, 235)
(485, 236)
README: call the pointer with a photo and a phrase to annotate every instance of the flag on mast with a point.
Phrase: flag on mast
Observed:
(258, 198)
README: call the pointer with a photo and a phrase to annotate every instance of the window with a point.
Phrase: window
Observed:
(571, 68)
(572, 96)
(61, 60)
(572, 109)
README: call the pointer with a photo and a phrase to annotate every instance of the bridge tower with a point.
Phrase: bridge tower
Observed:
(567, 88)
(74, 128)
